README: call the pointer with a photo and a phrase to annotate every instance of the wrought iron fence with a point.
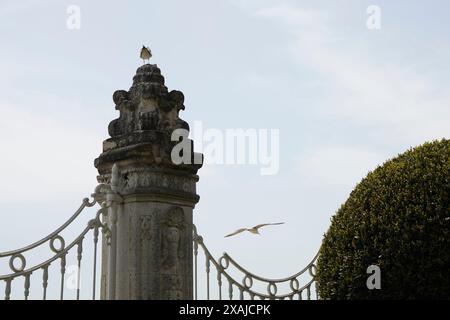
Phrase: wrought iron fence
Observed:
(301, 285)
(59, 250)
(251, 286)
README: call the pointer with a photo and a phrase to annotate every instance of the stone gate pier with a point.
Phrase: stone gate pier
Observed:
(149, 252)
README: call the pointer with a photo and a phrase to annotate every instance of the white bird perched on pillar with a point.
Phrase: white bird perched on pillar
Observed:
(253, 230)
(146, 53)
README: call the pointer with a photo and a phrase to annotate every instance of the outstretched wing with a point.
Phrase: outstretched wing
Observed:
(266, 224)
(236, 232)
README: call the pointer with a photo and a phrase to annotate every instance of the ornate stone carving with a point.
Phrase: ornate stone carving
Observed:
(145, 222)
(148, 105)
(172, 270)
(143, 228)
(145, 179)
(149, 114)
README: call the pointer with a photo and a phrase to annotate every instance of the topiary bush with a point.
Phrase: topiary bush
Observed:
(397, 218)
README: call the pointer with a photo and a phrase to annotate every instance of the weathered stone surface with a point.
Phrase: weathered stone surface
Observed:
(153, 220)
(154, 252)
(149, 113)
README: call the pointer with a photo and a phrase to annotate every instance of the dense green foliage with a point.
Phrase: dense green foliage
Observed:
(398, 218)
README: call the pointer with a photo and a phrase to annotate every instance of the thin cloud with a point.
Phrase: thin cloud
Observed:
(392, 97)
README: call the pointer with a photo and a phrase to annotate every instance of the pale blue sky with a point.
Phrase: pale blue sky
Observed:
(345, 99)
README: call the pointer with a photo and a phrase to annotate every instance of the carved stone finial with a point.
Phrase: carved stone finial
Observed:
(141, 140)
(148, 105)
(149, 113)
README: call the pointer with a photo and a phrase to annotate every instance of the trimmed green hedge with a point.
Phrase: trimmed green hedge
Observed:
(398, 218)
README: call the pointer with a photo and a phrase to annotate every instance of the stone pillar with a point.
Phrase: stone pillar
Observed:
(149, 255)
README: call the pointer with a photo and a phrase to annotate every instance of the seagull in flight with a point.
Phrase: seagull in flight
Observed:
(146, 53)
(253, 230)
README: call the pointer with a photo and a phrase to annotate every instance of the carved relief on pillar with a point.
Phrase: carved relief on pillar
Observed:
(173, 247)
(146, 232)
(136, 178)
(142, 229)
(146, 179)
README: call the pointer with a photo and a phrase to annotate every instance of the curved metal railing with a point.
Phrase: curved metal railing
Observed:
(18, 263)
(295, 286)
(85, 204)
(246, 286)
